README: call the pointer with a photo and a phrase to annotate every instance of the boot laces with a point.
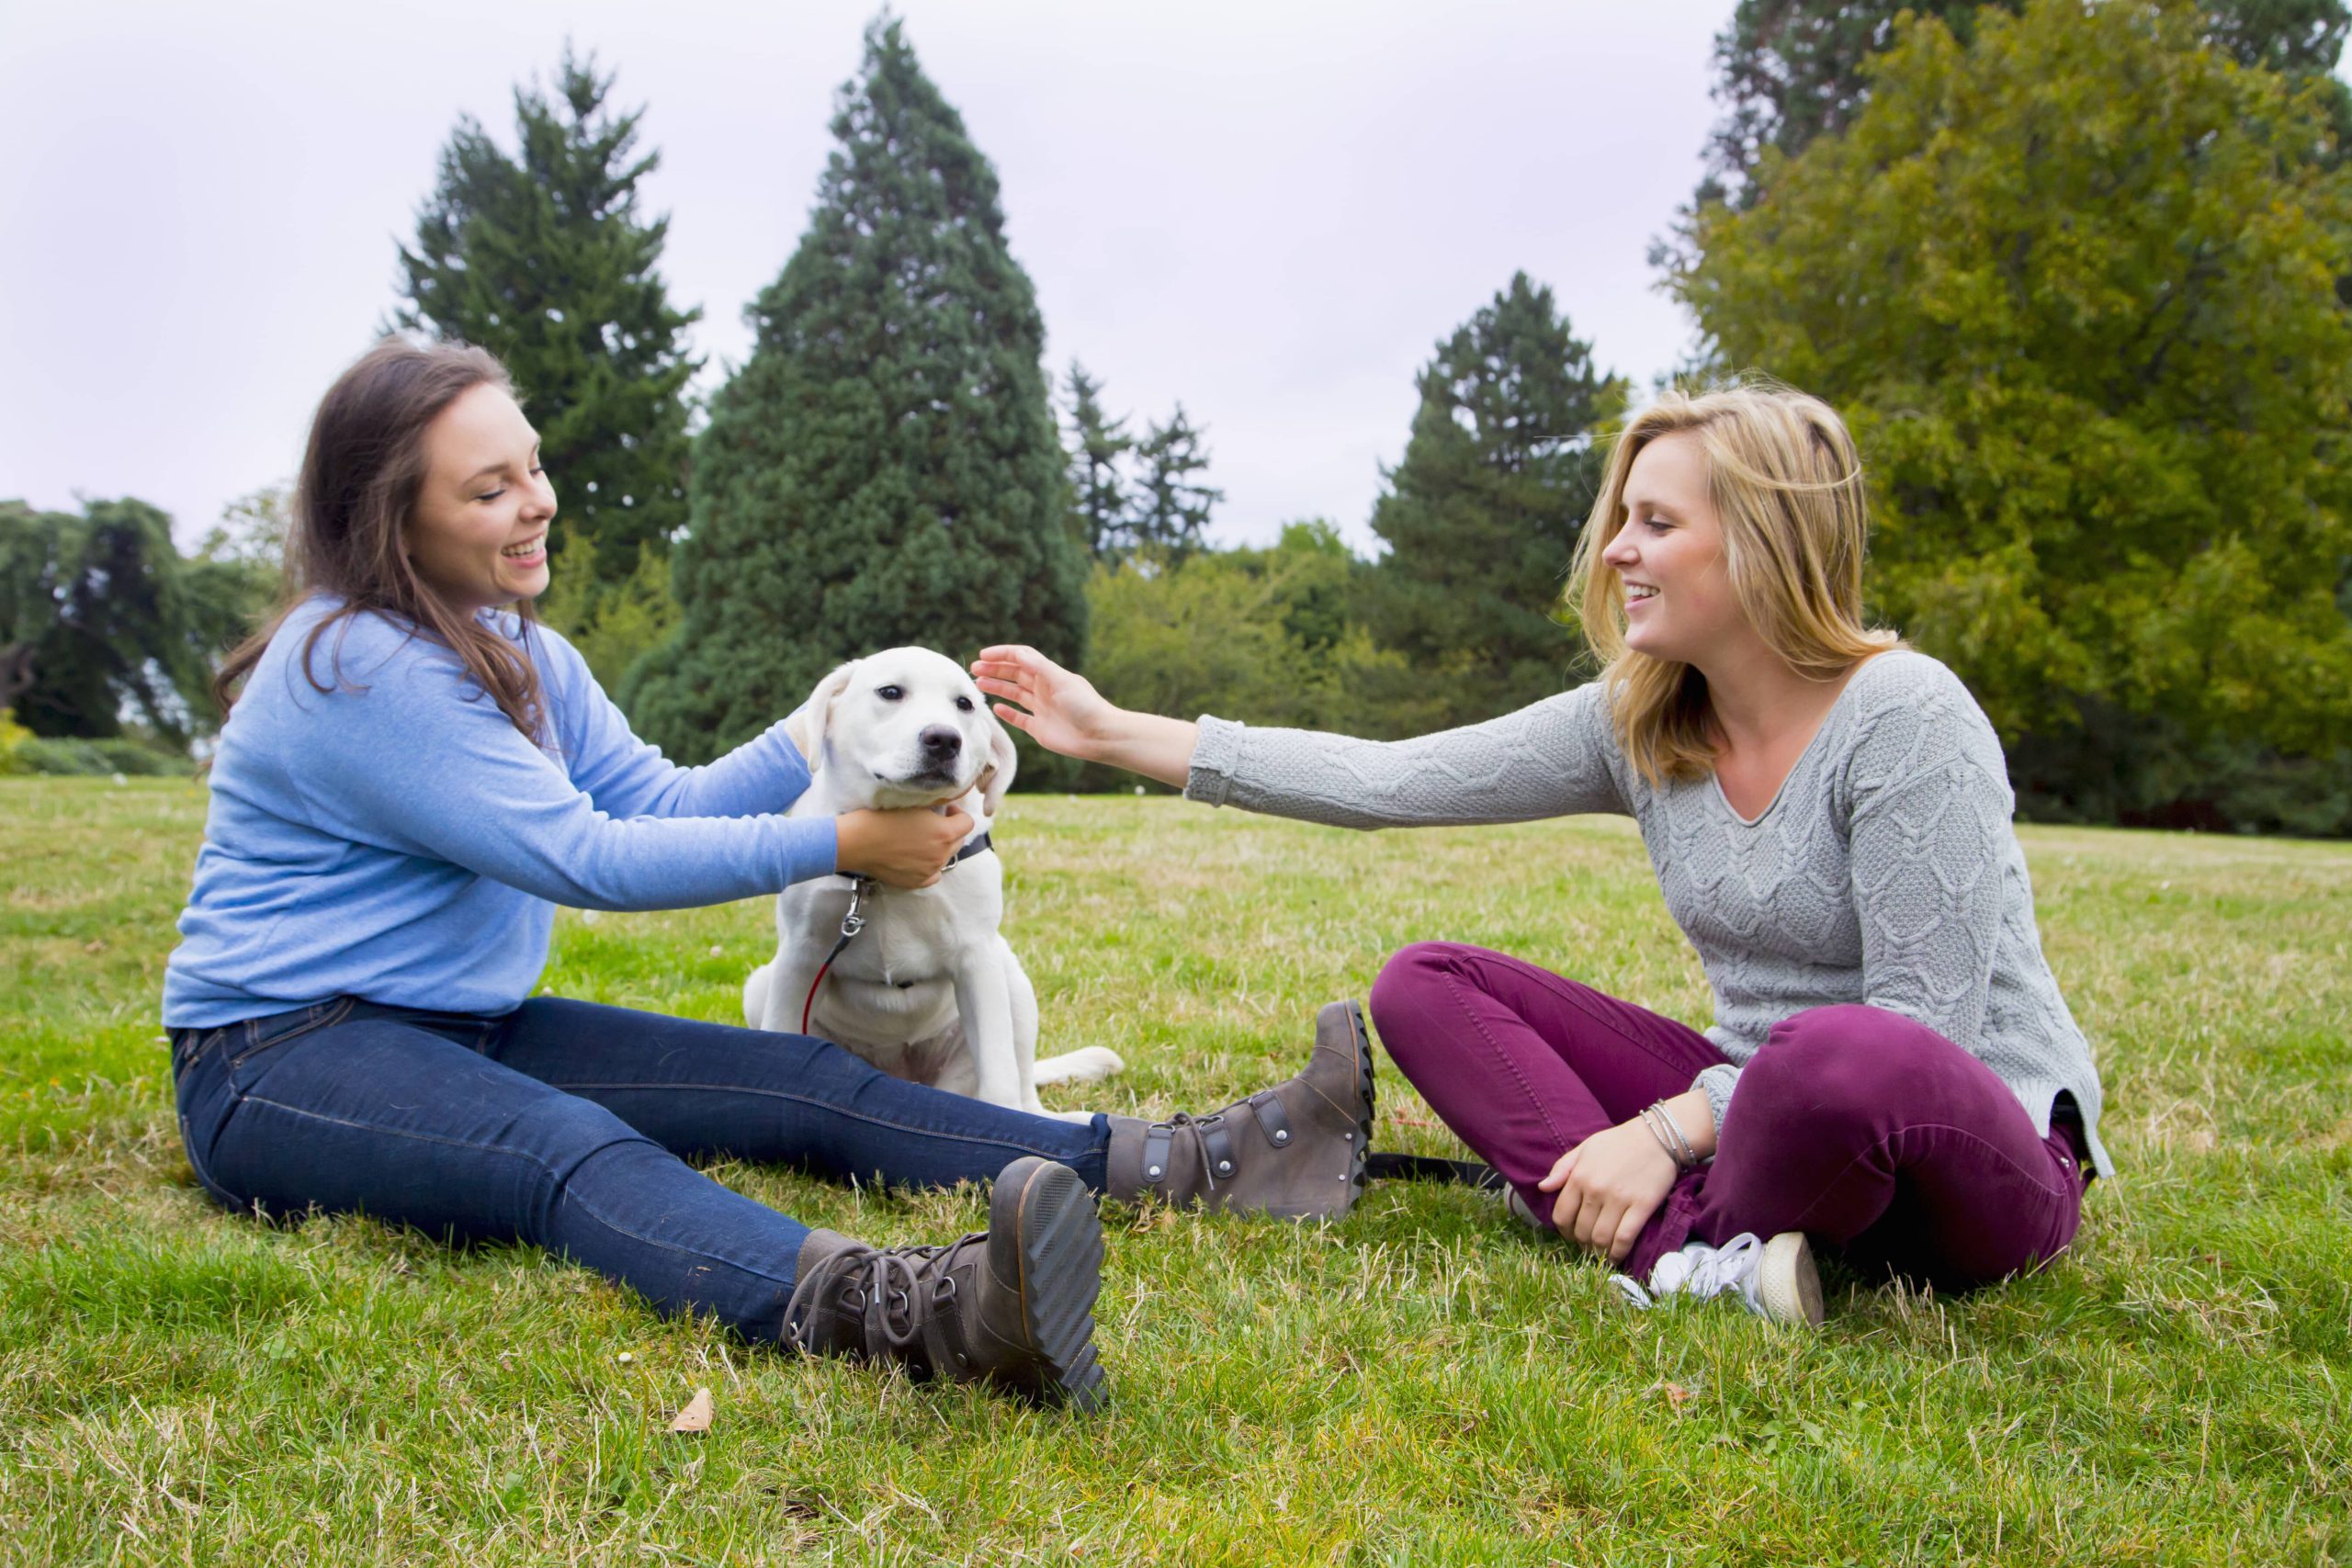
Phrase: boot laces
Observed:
(1183, 1121)
(884, 1286)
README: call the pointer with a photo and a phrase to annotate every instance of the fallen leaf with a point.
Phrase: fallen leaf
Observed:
(696, 1417)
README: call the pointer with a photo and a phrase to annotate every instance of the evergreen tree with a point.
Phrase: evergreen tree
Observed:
(885, 468)
(543, 259)
(1171, 513)
(1482, 516)
(2073, 287)
(1098, 448)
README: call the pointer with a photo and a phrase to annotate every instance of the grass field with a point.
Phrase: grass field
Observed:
(1421, 1383)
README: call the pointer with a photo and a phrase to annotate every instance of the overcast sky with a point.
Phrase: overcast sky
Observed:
(1272, 211)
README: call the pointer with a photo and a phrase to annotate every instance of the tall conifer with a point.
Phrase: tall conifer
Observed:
(885, 468)
(1172, 507)
(1482, 517)
(1098, 448)
(544, 260)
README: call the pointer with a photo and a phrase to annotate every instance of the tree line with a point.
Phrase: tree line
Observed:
(2077, 273)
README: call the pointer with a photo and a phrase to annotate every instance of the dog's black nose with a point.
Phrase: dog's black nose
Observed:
(938, 740)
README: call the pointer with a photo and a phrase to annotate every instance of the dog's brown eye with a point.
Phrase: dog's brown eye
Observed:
(889, 693)
(964, 704)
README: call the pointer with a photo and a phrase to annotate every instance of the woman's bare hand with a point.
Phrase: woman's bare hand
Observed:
(1063, 712)
(1059, 708)
(905, 848)
(1609, 1185)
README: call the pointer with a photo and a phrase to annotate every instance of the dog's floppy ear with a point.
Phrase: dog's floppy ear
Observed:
(997, 777)
(807, 726)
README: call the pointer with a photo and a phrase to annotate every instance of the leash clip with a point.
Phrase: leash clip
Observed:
(852, 922)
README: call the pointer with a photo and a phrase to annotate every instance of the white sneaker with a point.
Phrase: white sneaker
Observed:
(1516, 1207)
(1774, 1280)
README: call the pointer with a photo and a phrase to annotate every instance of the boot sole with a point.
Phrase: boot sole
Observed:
(1360, 1143)
(1044, 1233)
(1788, 1282)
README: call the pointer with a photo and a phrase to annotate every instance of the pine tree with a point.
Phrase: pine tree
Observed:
(1171, 513)
(1482, 516)
(1100, 503)
(885, 468)
(544, 260)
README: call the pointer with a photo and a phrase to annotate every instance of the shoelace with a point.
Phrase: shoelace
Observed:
(892, 1281)
(1183, 1121)
(1731, 1267)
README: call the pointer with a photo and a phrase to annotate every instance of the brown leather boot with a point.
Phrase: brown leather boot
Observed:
(1010, 1305)
(1296, 1151)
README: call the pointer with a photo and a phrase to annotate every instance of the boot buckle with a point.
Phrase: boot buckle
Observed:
(1158, 1140)
(1272, 1120)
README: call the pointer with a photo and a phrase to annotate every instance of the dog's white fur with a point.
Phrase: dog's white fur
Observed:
(929, 990)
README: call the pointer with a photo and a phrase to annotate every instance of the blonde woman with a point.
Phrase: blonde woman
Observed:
(1892, 1073)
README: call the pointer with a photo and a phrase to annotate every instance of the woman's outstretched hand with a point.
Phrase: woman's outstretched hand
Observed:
(1058, 709)
(1061, 711)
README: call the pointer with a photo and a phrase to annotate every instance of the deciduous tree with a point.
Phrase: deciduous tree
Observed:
(97, 619)
(2074, 286)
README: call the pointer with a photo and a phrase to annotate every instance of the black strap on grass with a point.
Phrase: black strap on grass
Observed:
(1380, 1167)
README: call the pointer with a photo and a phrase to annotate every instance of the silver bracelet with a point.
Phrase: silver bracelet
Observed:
(1689, 1150)
(1663, 1129)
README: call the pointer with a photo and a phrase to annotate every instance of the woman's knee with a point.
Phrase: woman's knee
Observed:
(561, 1133)
(1847, 1061)
(1402, 995)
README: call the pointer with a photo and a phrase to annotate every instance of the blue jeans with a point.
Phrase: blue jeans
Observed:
(563, 1124)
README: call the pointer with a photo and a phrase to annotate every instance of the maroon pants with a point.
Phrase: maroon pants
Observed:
(1876, 1135)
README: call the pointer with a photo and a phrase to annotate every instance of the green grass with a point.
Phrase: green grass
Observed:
(1421, 1383)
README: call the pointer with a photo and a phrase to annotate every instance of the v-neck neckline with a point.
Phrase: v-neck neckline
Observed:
(1716, 779)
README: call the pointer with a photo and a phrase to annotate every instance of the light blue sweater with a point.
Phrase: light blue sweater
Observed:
(397, 839)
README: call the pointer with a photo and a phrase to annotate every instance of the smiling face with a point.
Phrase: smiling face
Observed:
(478, 535)
(1668, 556)
(910, 726)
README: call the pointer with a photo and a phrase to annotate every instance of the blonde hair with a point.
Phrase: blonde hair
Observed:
(1787, 485)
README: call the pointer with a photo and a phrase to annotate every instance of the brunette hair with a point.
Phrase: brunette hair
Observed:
(361, 473)
(1787, 484)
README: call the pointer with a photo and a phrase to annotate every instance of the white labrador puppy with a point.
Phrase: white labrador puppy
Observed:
(928, 989)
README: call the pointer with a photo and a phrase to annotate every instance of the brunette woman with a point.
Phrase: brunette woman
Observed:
(413, 774)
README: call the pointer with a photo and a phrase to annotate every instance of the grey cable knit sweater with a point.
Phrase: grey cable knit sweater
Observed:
(1885, 872)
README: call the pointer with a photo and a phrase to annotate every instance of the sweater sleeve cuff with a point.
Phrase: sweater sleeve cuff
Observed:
(812, 847)
(1213, 756)
(1717, 1082)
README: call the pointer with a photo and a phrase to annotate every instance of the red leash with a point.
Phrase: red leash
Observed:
(852, 923)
